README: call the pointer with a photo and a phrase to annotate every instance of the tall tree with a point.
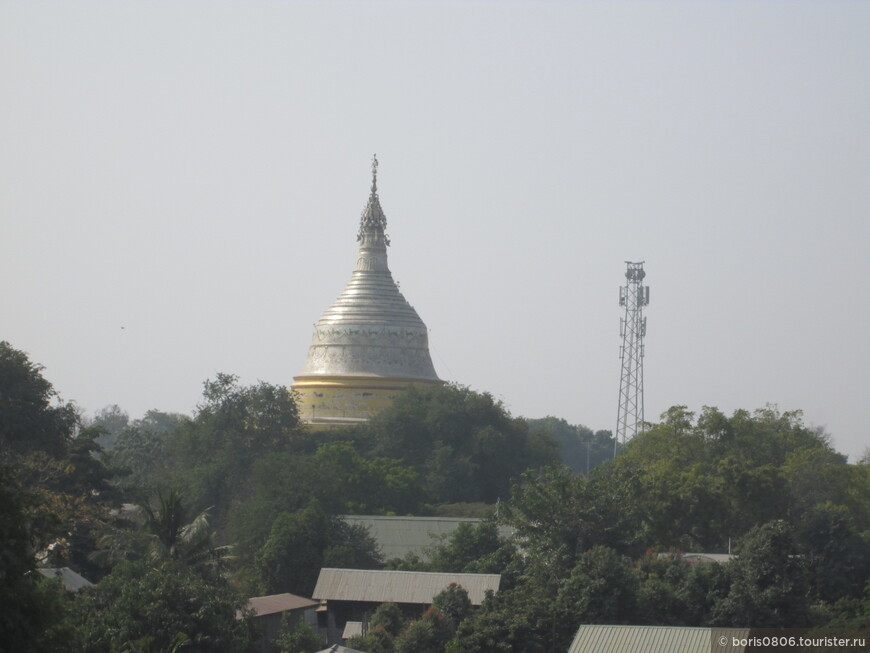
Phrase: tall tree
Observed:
(601, 589)
(464, 444)
(56, 459)
(32, 418)
(769, 586)
(213, 454)
(429, 634)
(580, 449)
(112, 419)
(164, 529)
(303, 542)
(20, 619)
(558, 516)
(365, 486)
(703, 482)
(140, 451)
(142, 607)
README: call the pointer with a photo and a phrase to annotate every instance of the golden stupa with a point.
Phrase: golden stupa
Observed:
(370, 344)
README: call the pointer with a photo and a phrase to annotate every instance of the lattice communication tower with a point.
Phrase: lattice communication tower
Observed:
(634, 296)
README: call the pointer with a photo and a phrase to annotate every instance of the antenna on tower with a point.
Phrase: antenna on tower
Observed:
(634, 296)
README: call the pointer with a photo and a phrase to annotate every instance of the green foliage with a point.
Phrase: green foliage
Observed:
(453, 603)
(153, 606)
(768, 587)
(558, 516)
(518, 620)
(297, 638)
(367, 486)
(140, 452)
(678, 500)
(389, 617)
(700, 483)
(171, 536)
(693, 485)
(376, 640)
(836, 555)
(247, 455)
(151, 644)
(388, 631)
(464, 444)
(17, 559)
(58, 468)
(282, 482)
(851, 612)
(601, 589)
(674, 592)
(472, 548)
(303, 542)
(340, 478)
(20, 621)
(429, 634)
(580, 449)
(54, 605)
(703, 587)
(213, 455)
(31, 417)
(384, 626)
(111, 420)
(164, 529)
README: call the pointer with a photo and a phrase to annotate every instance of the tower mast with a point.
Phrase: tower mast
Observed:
(634, 296)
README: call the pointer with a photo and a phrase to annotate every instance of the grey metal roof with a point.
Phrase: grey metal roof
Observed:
(70, 579)
(721, 558)
(335, 648)
(376, 586)
(263, 605)
(662, 639)
(398, 536)
(352, 629)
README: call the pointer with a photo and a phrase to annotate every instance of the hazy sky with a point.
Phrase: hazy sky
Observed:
(181, 183)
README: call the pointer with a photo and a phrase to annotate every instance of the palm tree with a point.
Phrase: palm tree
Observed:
(164, 533)
(170, 537)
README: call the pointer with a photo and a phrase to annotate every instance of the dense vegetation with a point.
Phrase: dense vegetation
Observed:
(180, 517)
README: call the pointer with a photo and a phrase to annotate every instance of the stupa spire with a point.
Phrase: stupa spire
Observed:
(373, 218)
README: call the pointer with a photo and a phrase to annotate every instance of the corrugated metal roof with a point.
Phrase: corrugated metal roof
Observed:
(721, 558)
(263, 605)
(398, 536)
(335, 648)
(352, 629)
(666, 639)
(398, 586)
(70, 579)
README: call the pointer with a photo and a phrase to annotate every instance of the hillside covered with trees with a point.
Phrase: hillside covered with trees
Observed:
(179, 518)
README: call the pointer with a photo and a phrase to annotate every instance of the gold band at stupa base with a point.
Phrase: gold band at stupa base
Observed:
(335, 401)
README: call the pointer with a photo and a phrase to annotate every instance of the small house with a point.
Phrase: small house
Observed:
(354, 594)
(271, 612)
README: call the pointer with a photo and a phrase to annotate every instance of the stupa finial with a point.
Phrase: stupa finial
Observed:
(373, 217)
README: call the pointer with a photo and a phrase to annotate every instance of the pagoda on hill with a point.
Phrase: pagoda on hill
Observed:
(370, 344)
